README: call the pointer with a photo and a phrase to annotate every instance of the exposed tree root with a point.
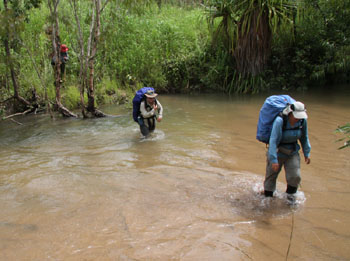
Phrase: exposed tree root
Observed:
(93, 113)
(64, 111)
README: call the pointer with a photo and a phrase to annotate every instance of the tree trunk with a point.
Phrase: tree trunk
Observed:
(87, 59)
(94, 42)
(83, 67)
(92, 50)
(10, 64)
(91, 92)
(253, 46)
(53, 4)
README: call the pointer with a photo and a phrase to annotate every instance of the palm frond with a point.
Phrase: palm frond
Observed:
(345, 130)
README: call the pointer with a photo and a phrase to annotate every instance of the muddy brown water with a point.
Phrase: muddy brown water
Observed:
(94, 190)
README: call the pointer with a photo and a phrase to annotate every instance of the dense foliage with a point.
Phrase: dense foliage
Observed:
(175, 47)
(318, 53)
(247, 28)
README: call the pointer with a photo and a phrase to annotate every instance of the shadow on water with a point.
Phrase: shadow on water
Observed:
(24, 227)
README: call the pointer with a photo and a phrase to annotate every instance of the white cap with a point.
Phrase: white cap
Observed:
(298, 110)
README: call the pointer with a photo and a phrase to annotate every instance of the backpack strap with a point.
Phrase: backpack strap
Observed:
(147, 106)
(284, 127)
(285, 120)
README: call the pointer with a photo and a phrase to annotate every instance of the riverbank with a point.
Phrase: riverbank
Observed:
(170, 47)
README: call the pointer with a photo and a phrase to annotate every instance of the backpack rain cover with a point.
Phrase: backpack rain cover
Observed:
(271, 108)
(136, 102)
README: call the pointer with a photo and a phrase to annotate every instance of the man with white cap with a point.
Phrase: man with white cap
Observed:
(149, 108)
(284, 148)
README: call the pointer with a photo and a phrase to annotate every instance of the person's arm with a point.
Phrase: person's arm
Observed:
(144, 112)
(305, 143)
(275, 139)
(160, 111)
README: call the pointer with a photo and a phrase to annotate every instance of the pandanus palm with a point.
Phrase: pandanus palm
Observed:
(247, 28)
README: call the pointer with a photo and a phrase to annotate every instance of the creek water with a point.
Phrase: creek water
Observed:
(74, 189)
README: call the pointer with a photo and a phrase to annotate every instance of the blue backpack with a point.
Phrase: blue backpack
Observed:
(272, 107)
(139, 96)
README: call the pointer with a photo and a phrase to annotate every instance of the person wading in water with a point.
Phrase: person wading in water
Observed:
(284, 149)
(149, 108)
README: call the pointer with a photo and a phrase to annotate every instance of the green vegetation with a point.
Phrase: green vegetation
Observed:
(246, 29)
(345, 129)
(174, 46)
(137, 48)
(319, 53)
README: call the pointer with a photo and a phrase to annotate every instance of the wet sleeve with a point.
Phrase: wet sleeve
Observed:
(160, 109)
(144, 112)
(275, 139)
(304, 140)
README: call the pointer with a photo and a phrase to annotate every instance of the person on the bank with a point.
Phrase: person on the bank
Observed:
(149, 108)
(63, 57)
(284, 148)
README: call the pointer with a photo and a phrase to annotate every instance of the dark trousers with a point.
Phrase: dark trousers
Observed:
(146, 125)
(63, 67)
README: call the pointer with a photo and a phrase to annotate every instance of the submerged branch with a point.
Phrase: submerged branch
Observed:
(16, 122)
(17, 114)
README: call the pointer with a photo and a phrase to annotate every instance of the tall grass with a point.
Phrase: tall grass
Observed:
(168, 46)
(139, 46)
(134, 50)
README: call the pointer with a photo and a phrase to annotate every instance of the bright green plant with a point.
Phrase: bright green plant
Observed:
(136, 48)
(13, 16)
(71, 97)
(345, 130)
(111, 92)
